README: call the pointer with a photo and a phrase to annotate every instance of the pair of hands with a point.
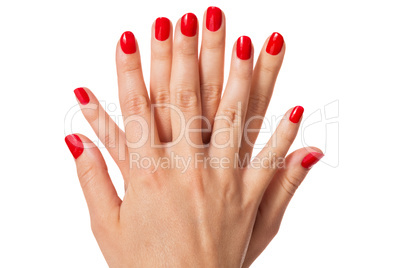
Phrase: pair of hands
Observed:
(193, 197)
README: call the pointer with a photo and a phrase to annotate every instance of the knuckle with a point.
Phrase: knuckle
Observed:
(243, 73)
(110, 140)
(91, 112)
(98, 227)
(186, 99)
(102, 225)
(291, 182)
(211, 94)
(213, 44)
(258, 104)
(161, 53)
(269, 68)
(232, 115)
(131, 67)
(272, 225)
(161, 96)
(87, 176)
(135, 104)
(287, 136)
(269, 161)
(274, 229)
(187, 49)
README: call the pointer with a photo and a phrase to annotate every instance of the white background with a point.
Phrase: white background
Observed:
(347, 213)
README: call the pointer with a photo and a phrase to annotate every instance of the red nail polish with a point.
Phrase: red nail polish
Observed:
(275, 44)
(243, 49)
(75, 145)
(162, 28)
(311, 159)
(189, 24)
(296, 114)
(214, 18)
(127, 43)
(81, 95)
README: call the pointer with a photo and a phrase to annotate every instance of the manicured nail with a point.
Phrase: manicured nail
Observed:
(214, 18)
(296, 114)
(189, 24)
(311, 159)
(275, 44)
(162, 28)
(81, 95)
(127, 43)
(75, 145)
(243, 50)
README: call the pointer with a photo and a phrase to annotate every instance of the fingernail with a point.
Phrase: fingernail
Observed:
(243, 50)
(127, 43)
(162, 28)
(189, 24)
(311, 159)
(214, 18)
(275, 44)
(81, 95)
(75, 145)
(296, 114)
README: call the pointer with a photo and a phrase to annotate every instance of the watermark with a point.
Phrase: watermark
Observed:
(229, 129)
(201, 160)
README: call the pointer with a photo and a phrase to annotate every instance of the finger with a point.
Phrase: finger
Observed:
(277, 197)
(265, 164)
(228, 125)
(212, 57)
(134, 100)
(100, 194)
(161, 63)
(105, 128)
(185, 82)
(264, 77)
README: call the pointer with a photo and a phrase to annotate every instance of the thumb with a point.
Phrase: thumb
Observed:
(286, 181)
(289, 178)
(100, 194)
(277, 197)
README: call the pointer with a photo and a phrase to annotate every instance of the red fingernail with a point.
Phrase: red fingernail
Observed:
(243, 50)
(81, 95)
(214, 18)
(162, 28)
(275, 44)
(127, 43)
(75, 145)
(311, 159)
(189, 24)
(296, 114)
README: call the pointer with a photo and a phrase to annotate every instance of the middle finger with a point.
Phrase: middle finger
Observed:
(185, 82)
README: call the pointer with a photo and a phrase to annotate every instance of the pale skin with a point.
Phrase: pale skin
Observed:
(203, 217)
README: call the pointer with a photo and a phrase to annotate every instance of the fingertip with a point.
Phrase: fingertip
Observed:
(82, 95)
(189, 24)
(79, 144)
(304, 157)
(275, 44)
(244, 48)
(128, 43)
(311, 159)
(74, 144)
(213, 18)
(296, 114)
(162, 28)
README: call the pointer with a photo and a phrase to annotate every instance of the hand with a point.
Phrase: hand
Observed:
(193, 198)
